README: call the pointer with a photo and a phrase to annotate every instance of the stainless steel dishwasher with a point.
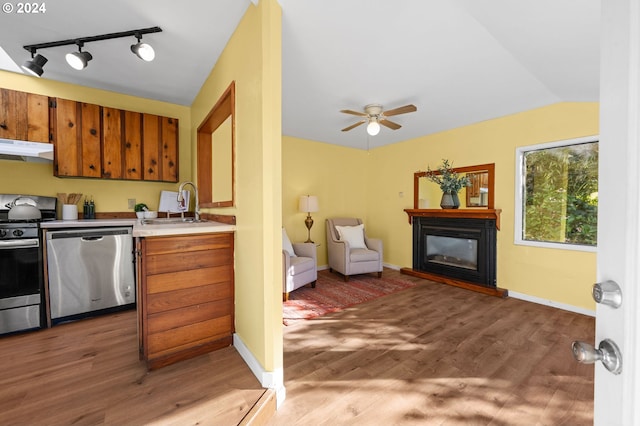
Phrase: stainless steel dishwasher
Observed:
(90, 270)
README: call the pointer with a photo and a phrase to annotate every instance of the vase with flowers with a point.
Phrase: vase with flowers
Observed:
(450, 182)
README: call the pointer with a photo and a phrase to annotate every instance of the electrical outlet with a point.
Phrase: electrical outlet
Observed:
(131, 203)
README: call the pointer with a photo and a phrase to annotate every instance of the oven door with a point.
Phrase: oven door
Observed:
(20, 284)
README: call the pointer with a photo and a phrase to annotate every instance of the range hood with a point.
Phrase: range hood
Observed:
(25, 151)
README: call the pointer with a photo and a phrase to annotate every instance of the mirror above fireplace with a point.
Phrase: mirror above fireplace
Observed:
(480, 195)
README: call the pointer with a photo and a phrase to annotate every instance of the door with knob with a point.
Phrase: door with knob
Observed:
(618, 328)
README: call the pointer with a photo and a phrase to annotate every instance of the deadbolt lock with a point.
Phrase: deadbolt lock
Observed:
(607, 293)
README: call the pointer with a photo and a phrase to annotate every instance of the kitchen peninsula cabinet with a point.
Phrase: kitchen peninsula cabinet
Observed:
(24, 116)
(185, 296)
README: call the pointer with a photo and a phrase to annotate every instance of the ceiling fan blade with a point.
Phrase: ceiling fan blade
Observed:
(354, 125)
(401, 110)
(349, 111)
(390, 124)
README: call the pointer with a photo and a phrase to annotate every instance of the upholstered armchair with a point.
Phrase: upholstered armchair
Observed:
(299, 265)
(349, 249)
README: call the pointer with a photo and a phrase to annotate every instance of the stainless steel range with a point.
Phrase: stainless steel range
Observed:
(21, 267)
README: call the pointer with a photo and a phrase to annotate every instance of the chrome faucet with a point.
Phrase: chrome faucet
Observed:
(181, 198)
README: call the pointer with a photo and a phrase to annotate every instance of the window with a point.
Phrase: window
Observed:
(557, 194)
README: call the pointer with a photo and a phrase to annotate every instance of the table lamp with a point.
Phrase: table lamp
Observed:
(308, 205)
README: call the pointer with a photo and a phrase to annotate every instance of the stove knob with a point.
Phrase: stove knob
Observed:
(3, 233)
(18, 233)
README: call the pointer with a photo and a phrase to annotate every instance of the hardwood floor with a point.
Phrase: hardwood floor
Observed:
(436, 354)
(429, 355)
(88, 373)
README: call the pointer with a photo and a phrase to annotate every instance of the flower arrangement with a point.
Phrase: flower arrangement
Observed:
(450, 182)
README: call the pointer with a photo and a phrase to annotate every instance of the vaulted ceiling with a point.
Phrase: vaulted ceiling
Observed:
(458, 61)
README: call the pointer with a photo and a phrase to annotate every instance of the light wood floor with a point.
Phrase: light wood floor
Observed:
(88, 373)
(436, 354)
(433, 354)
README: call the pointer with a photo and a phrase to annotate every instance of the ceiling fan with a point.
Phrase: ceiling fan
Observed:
(375, 116)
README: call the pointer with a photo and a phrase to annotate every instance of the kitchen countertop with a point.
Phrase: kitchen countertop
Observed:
(144, 230)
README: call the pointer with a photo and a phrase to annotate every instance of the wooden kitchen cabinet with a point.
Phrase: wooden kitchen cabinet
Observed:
(76, 133)
(185, 296)
(110, 143)
(24, 116)
(160, 148)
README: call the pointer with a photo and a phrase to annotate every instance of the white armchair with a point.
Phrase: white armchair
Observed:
(299, 265)
(352, 252)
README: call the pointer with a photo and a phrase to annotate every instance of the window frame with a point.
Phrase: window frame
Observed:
(519, 192)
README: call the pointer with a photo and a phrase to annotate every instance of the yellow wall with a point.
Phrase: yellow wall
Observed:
(378, 186)
(337, 175)
(109, 195)
(252, 59)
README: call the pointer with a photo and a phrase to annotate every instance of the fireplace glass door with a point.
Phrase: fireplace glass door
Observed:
(456, 252)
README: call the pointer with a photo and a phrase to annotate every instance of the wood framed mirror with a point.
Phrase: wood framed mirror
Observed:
(216, 153)
(479, 195)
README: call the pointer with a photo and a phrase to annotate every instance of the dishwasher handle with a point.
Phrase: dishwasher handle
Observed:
(88, 234)
(93, 238)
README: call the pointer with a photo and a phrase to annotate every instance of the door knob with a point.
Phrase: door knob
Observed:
(607, 293)
(607, 352)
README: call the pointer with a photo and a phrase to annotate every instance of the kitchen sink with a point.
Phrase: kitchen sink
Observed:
(172, 221)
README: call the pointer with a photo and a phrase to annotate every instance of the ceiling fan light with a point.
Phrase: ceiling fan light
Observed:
(373, 128)
(78, 60)
(144, 51)
(34, 66)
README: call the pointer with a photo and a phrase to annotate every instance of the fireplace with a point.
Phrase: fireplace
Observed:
(463, 249)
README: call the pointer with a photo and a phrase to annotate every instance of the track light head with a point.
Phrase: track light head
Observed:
(144, 51)
(78, 60)
(34, 66)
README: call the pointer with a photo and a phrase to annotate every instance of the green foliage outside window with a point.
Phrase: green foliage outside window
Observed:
(561, 194)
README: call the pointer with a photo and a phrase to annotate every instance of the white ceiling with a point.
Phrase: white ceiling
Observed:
(458, 61)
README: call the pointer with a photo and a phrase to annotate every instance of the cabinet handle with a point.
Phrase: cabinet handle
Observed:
(93, 132)
(92, 167)
(4, 126)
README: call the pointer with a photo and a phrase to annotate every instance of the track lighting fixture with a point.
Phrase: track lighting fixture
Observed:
(34, 66)
(80, 59)
(144, 51)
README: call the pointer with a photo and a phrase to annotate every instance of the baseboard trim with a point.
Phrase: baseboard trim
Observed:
(268, 379)
(551, 303)
(391, 266)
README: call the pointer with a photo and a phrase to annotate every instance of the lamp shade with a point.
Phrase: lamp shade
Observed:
(308, 203)
(34, 66)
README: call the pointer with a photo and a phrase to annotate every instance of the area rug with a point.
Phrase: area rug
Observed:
(333, 294)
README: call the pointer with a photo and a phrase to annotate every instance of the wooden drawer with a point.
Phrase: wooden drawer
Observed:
(165, 301)
(188, 260)
(189, 243)
(182, 338)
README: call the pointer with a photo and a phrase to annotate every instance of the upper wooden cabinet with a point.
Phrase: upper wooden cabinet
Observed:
(76, 133)
(160, 148)
(109, 143)
(24, 116)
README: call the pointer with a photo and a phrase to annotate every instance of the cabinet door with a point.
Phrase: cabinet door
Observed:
(24, 116)
(160, 148)
(169, 149)
(112, 143)
(90, 140)
(76, 136)
(132, 145)
(67, 158)
(151, 147)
